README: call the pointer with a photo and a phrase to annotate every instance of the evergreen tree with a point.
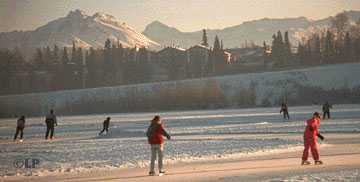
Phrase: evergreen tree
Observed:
(17, 58)
(79, 58)
(79, 72)
(347, 50)
(301, 53)
(287, 48)
(73, 53)
(48, 58)
(308, 53)
(277, 50)
(55, 55)
(317, 49)
(92, 67)
(108, 66)
(329, 52)
(204, 39)
(118, 59)
(39, 60)
(217, 62)
(65, 72)
(143, 70)
(217, 45)
(265, 54)
(65, 57)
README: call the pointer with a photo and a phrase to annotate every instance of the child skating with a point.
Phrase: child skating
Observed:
(155, 134)
(106, 125)
(310, 140)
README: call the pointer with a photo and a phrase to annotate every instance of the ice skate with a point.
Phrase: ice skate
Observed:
(161, 173)
(151, 173)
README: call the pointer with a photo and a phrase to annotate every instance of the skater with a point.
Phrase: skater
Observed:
(51, 122)
(284, 110)
(310, 140)
(20, 128)
(155, 134)
(326, 110)
(106, 124)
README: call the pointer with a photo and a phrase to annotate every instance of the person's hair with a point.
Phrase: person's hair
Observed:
(22, 117)
(316, 114)
(51, 111)
(155, 119)
(108, 118)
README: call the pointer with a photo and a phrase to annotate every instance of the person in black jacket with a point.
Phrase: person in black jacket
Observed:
(51, 122)
(20, 128)
(326, 110)
(106, 125)
(284, 110)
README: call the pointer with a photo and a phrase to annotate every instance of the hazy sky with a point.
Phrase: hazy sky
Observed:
(186, 15)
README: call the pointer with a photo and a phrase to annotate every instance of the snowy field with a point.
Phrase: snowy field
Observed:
(196, 136)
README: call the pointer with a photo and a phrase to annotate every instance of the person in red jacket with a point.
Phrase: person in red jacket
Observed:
(155, 134)
(310, 140)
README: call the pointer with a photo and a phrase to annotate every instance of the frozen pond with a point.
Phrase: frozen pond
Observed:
(196, 135)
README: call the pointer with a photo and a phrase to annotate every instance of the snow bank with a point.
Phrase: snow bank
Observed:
(337, 83)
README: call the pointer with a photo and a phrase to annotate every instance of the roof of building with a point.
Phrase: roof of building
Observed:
(200, 46)
(168, 48)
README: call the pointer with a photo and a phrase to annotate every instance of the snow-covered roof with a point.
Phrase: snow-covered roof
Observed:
(174, 48)
(200, 46)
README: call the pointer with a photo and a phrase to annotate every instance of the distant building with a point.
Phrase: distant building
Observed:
(174, 60)
(159, 68)
(247, 59)
(198, 58)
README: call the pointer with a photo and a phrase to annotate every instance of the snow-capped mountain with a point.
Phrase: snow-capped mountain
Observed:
(79, 27)
(235, 36)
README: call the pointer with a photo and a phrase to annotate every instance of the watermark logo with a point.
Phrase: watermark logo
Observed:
(27, 163)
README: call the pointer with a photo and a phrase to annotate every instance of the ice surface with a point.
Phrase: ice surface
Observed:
(196, 136)
(352, 175)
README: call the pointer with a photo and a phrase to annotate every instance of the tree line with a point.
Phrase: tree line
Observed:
(54, 68)
(339, 43)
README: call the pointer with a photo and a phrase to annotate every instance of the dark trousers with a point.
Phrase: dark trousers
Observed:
(286, 114)
(49, 129)
(105, 128)
(326, 113)
(19, 130)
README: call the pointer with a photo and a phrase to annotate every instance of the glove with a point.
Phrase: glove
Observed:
(321, 137)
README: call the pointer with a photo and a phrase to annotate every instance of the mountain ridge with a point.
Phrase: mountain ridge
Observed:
(85, 30)
(233, 36)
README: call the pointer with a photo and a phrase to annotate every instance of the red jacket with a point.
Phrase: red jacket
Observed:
(155, 134)
(311, 129)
